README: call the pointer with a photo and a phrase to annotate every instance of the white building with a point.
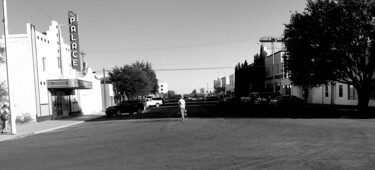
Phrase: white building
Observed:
(41, 78)
(163, 88)
(333, 93)
(225, 85)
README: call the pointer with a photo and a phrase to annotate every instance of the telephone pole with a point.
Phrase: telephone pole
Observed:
(12, 116)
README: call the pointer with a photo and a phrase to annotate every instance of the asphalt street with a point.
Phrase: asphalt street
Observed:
(158, 139)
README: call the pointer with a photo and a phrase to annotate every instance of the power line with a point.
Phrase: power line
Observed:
(185, 46)
(92, 49)
(40, 10)
(188, 69)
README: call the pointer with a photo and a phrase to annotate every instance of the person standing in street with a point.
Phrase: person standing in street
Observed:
(4, 117)
(181, 104)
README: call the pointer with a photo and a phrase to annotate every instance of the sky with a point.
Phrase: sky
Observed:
(190, 43)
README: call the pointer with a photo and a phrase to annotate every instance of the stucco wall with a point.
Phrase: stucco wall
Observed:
(21, 74)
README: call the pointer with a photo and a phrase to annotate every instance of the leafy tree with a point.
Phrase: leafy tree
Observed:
(194, 93)
(3, 93)
(250, 78)
(133, 80)
(333, 41)
(3, 88)
(171, 94)
(147, 68)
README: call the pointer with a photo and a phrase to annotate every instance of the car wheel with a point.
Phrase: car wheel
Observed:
(109, 114)
(157, 105)
(118, 113)
(139, 111)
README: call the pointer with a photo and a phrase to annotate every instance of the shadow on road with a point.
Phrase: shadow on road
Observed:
(230, 110)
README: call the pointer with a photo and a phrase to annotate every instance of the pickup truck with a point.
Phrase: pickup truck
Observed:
(154, 102)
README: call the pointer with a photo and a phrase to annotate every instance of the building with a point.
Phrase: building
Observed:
(42, 81)
(163, 88)
(224, 85)
(229, 88)
(332, 93)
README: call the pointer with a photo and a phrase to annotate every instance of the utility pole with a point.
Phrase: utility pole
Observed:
(272, 40)
(104, 89)
(12, 116)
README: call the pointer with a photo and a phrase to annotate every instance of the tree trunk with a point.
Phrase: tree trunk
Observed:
(363, 99)
(305, 93)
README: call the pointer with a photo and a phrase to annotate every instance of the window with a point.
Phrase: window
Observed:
(44, 63)
(162, 90)
(352, 93)
(340, 91)
(161, 85)
(326, 91)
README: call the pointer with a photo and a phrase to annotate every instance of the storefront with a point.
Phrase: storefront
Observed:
(63, 96)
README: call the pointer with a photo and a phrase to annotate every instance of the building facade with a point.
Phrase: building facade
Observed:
(332, 93)
(224, 85)
(163, 88)
(41, 79)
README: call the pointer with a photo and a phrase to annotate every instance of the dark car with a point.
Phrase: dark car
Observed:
(128, 106)
(288, 100)
(212, 98)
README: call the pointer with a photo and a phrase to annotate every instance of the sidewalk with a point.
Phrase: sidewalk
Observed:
(49, 125)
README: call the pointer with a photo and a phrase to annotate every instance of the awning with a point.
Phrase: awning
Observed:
(69, 84)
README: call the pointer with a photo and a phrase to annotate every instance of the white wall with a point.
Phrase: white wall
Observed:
(21, 76)
(91, 99)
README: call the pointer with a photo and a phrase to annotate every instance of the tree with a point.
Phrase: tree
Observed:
(250, 78)
(133, 80)
(194, 93)
(3, 88)
(333, 41)
(147, 68)
(171, 94)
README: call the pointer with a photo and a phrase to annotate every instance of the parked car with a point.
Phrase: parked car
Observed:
(261, 101)
(128, 106)
(212, 98)
(288, 100)
(154, 102)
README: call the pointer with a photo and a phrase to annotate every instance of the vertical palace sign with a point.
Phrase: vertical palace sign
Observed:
(74, 41)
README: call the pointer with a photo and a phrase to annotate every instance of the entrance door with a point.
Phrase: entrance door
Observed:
(57, 103)
(61, 103)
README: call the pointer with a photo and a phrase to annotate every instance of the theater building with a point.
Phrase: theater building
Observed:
(42, 80)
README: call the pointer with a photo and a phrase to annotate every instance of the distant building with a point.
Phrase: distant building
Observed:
(229, 88)
(224, 85)
(163, 88)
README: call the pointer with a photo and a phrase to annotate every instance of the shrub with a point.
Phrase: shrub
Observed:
(24, 118)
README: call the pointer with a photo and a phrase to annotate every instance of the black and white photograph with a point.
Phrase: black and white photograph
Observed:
(187, 84)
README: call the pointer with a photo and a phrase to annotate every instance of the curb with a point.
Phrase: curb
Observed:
(44, 131)
(49, 130)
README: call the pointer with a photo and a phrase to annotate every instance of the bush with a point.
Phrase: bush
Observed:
(24, 118)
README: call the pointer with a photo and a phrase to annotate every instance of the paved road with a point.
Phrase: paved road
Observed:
(159, 140)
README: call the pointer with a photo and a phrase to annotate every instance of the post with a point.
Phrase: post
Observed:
(273, 65)
(104, 90)
(12, 116)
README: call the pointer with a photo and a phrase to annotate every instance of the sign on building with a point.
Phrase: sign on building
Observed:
(74, 41)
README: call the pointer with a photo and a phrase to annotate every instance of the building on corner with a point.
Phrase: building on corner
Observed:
(43, 83)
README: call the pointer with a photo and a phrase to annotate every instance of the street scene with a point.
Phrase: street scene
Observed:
(158, 139)
(187, 84)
